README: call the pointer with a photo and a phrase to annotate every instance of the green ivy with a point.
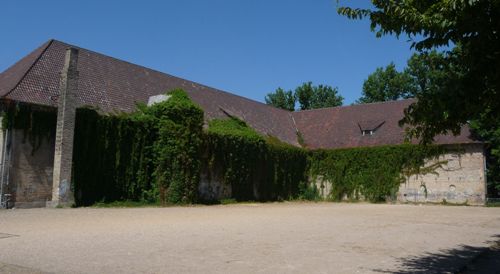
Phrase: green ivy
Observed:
(150, 155)
(38, 123)
(257, 168)
(371, 173)
(157, 154)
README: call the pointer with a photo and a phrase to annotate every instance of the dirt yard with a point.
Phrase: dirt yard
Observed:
(246, 238)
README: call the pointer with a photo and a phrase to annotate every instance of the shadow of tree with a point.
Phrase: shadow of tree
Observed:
(482, 259)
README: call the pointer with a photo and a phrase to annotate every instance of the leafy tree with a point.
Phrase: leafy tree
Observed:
(304, 95)
(308, 96)
(313, 97)
(325, 96)
(387, 85)
(470, 68)
(428, 72)
(281, 99)
(424, 73)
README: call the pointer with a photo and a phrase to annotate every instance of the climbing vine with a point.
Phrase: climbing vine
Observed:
(371, 173)
(38, 123)
(158, 153)
(150, 155)
(256, 167)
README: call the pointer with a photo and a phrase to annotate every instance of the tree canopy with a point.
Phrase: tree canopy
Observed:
(281, 99)
(386, 84)
(467, 33)
(307, 96)
(427, 72)
(422, 74)
(313, 97)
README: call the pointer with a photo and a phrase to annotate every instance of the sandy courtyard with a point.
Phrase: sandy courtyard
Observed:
(246, 238)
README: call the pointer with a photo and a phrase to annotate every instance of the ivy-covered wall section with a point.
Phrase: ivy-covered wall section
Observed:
(37, 123)
(158, 154)
(151, 155)
(256, 167)
(373, 173)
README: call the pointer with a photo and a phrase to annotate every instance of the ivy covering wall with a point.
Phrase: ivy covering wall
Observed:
(150, 155)
(37, 123)
(257, 167)
(158, 153)
(370, 173)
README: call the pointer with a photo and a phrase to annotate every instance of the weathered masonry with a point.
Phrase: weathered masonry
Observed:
(57, 78)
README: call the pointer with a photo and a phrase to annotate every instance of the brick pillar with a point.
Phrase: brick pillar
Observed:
(66, 112)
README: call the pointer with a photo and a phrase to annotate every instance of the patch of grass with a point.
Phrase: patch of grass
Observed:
(228, 201)
(493, 204)
(126, 204)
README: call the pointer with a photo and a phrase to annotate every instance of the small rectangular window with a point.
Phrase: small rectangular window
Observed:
(367, 132)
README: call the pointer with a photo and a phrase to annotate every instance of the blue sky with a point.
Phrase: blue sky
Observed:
(245, 47)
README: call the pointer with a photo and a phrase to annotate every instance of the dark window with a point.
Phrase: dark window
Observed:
(367, 132)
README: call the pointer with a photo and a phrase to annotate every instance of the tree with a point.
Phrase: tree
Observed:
(387, 85)
(470, 66)
(423, 74)
(313, 97)
(281, 99)
(304, 95)
(325, 96)
(430, 71)
(308, 96)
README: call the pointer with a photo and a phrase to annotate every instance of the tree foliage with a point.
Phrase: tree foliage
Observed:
(387, 84)
(307, 96)
(281, 99)
(424, 73)
(471, 67)
(428, 72)
(314, 97)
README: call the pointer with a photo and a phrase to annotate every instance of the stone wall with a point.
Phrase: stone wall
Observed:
(460, 180)
(30, 173)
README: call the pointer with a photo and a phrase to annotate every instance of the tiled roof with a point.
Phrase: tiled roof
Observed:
(342, 127)
(113, 85)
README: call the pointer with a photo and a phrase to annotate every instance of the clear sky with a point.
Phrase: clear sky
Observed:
(245, 47)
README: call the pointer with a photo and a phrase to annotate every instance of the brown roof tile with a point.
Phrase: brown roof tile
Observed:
(113, 85)
(341, 127)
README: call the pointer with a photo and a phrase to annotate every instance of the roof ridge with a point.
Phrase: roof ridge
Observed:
(170, 75)
(49, 43)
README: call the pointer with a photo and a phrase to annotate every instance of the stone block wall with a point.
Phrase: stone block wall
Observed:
(30, 173)
(460, 180)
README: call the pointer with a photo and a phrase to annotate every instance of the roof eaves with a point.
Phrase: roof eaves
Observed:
(29, 69)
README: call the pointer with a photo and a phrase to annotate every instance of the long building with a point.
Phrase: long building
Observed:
(62, 77)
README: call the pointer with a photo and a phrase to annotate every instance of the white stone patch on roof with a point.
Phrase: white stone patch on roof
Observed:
(157, 99)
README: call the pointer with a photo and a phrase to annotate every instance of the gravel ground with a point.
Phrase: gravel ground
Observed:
(246, 238)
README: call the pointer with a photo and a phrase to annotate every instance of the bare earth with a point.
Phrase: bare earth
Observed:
(246, 238)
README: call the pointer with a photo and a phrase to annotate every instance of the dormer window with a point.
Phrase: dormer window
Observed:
(367, 132)
(368, 128)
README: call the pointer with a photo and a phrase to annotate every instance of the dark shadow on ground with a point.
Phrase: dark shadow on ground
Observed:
(464, 259)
